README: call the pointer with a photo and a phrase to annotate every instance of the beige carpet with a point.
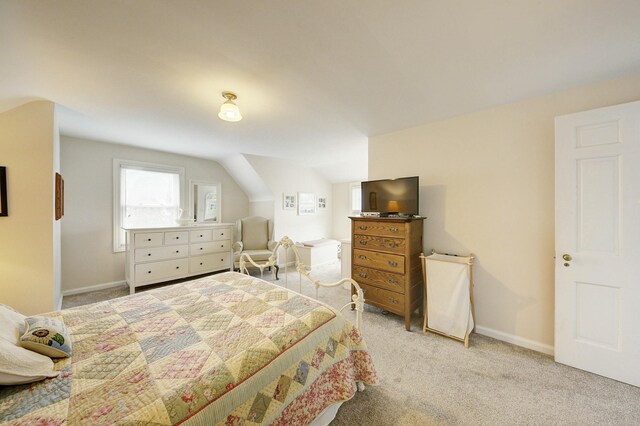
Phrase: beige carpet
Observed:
(431, 380)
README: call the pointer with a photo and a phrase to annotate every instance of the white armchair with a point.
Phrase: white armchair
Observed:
(254, 237)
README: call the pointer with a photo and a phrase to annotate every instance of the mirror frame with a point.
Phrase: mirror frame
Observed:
(192, 212)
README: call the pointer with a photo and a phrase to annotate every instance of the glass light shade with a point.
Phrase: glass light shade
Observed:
(229, 112)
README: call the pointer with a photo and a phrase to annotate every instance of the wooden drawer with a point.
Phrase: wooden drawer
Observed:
(209, 262)
(385, 299)
(201, 236)
(160, 271)
(379, 228)
(384, 261)
(208, 248)
(148, 239)
(222, 234)
(160, 253)
(388, 244)
(176, 237)
(386, 280)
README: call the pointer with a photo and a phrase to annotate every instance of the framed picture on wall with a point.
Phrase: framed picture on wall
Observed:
(306, 203)
(322, 202)
(4, 210)
(289, 201)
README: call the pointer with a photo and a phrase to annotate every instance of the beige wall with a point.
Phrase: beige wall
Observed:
(487, 187)
(27, 236)
(87, 231)
(284, 176)
(341, 226)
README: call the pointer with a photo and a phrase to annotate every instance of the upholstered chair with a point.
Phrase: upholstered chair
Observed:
(254, 237)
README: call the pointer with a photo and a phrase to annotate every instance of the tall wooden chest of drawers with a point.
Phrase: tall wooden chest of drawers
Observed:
(385, 261)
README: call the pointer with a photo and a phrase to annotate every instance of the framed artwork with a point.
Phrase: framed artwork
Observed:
(59, 196)
(306, 203)
(322, 202)
(289, 201)
(4, 210)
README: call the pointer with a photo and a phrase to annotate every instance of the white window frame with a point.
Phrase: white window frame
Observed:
(118, 164)
(351, 187)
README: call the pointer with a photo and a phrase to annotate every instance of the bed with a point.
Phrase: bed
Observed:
(227, 349)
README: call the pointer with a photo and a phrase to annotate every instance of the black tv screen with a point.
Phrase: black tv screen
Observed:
(391, 196)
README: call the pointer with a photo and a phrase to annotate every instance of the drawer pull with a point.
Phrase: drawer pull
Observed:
(148, 239)
(149, 254)
(393, 300)
(222, 233)
(177, 267)
(200, 235)
(177, 238)
(362, 257)
(363, 275)
(393, 229)
(363, 242)
(200, 263)
(392, 263)
(148, 272)
(221, 260)
(177, 251)
(200, 248)
(363, 227)
(393, 281)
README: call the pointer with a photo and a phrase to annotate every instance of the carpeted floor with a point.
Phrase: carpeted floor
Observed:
(430, 380)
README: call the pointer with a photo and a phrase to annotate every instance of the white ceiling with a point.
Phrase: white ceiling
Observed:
(314, 78)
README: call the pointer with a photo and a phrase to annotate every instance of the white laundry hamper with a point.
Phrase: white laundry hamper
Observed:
(448, 295)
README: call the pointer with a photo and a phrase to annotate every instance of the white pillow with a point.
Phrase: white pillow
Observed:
(10, 323)
(19, 365)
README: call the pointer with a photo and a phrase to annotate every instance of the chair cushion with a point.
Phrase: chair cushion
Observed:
(256, 255)
(255, 233)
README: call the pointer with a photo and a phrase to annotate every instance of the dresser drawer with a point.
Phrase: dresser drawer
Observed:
(384, 261)
(378, 228)
(148, 239)
(380, 279)
(201, 236)
(176, 237)
(385, 299)
(213, 247)
(159, 271)
(160, 253)
(374, 242)
(222, 234)
(209, 262)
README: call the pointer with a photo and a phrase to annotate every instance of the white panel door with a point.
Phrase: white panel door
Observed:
(597, 322)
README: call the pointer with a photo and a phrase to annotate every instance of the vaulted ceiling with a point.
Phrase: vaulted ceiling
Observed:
(314, 78)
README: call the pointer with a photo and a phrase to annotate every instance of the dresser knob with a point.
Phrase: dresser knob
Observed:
(393, 229)
(200, 236)
(149, 254)
(221, 260)
(393, 281)
(148, 272)
(200, 248)
(177, 267)
(363, 227)
(362, 257)
(149, 239)
(363, 242)
(392, 263)
(200, 263)
(393, 300)
(222, 233)
(363, 275)
(177, 251)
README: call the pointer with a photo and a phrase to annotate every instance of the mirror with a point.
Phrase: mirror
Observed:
(205, 201)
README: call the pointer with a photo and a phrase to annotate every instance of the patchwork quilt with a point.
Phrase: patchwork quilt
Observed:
(227, 349)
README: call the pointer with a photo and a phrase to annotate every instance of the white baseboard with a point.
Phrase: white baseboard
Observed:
(515, 340)
(89, 288)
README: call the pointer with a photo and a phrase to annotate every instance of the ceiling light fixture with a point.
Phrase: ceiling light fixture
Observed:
(229, 110)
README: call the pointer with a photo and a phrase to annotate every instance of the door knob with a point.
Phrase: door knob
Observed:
(567, 257)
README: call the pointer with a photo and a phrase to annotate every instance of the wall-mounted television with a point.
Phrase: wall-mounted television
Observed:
(391, 196)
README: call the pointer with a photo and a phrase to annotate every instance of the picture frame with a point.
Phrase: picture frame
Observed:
(59, 208)
(306, 203)
(289, 201)
(4, 209)
(322, 202)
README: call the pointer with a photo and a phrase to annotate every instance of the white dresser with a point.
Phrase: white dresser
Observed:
(162, 254)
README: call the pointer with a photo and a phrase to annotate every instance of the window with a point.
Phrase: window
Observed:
(145, 195)
(356, 198)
